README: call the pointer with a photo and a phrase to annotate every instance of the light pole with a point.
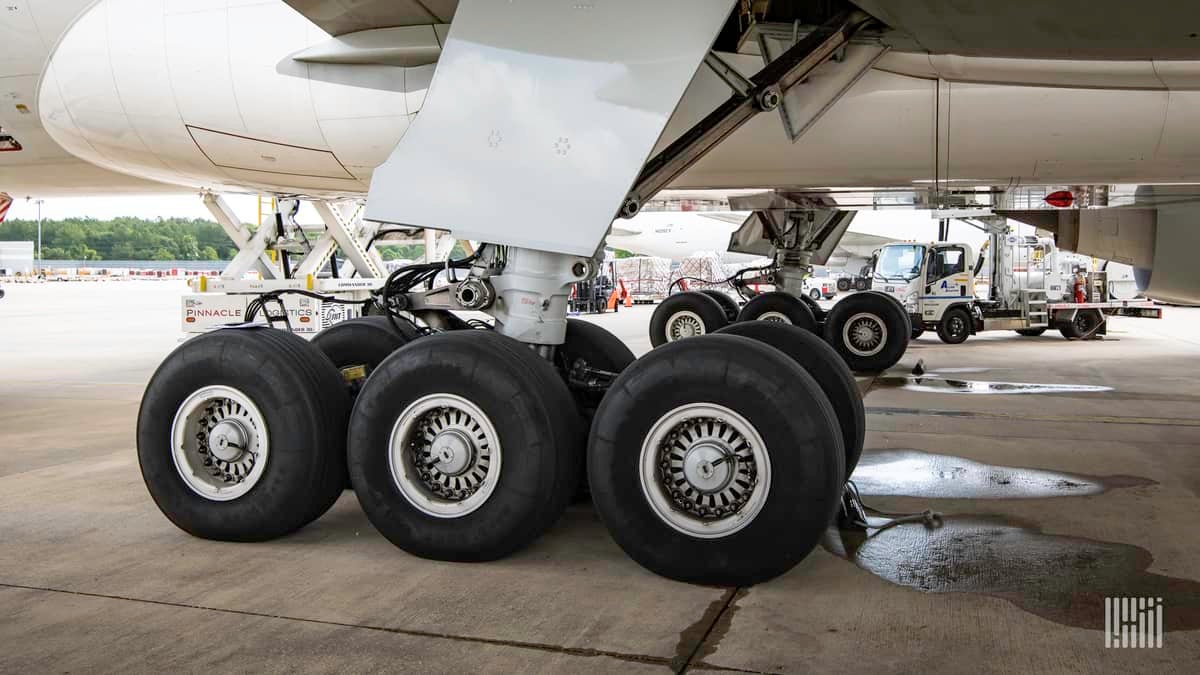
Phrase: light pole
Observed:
(39, 243)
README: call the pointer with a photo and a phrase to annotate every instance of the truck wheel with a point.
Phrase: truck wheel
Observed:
(700, 479)
(685, 315)
(861, 284)
(358, 346)
(731, 308)
(955, 326)
(815, 294)
(464, 446)
(869, 330)
(821, 361)
(779, 307)
(241, 435)
(1082, 326)
(843, 285)
(1030, 332)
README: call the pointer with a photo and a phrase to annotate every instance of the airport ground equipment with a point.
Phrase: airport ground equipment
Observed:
(467, 442)
(1029, 289)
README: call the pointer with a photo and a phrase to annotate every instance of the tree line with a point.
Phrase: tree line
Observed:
(143, 239)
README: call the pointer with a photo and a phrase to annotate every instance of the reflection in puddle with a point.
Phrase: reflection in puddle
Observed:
(914, 473)
(942, 385)
(1063, 579)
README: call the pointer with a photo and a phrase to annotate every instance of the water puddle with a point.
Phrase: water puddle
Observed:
(944, 385)
(1060, 578)
(913, 473)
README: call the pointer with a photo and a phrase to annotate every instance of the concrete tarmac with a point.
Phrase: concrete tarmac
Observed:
(1050, 502)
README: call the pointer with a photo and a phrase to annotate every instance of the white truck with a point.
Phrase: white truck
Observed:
(1017, 283)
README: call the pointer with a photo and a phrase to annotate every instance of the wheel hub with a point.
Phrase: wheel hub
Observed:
(865, 334)
(445, 455)
(684, 325)
(220, 443)
(774, 317)
(227, 440)
(453, 451)
(707, 467)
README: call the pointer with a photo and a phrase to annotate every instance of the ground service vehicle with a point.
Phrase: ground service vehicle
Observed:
(1026, 288)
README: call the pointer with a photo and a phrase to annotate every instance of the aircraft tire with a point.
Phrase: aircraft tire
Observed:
(685, 315)
(1030, 332)
(869, 330)
(225, 407)
(771, 471)
(731, 308)
(503, 462)
(820, 360)
(779, 307)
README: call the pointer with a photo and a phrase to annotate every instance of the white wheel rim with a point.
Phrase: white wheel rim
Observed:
(715, 498)
(444, 456)
(219, 443)
(775, 317)
(684, 324)
(864, 334)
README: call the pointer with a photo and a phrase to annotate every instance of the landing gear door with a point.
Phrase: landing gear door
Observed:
(947, 276)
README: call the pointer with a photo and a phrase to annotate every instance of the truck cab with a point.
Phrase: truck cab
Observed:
(929, 280)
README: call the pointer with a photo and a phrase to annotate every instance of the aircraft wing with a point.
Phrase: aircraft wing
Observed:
(339, 17)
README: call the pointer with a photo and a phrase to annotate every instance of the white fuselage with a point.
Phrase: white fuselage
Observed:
(206, 95)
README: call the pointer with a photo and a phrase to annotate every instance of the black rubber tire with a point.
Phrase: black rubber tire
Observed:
(600, 349)
(535, 422)
(727, 303)
(887, 312)
(820, 360)
(363, 343)
(843, 284)
(916, 333)
(899, 306)
(780, 303)
(1030, 332)
(1084, 324)
(304, 405)
(955, 326)
(818, 312)
(861, 284)
(797, 424)
(711, 315)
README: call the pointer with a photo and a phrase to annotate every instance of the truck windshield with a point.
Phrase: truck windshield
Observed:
(900, 263)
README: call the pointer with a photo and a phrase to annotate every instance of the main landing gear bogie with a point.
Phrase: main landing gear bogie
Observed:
(719, 459)
(870, 331)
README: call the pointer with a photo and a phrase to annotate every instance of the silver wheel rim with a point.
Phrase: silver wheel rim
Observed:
(705, 470)
(444, 456)
(775, 317)
(219, 442)
(864, 334)
(684, 324)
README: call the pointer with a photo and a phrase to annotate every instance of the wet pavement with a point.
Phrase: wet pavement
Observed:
(914, 473)
(1050, 502)
(1060, 578)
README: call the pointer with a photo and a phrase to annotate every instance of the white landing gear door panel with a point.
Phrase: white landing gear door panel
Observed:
(540, 116)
